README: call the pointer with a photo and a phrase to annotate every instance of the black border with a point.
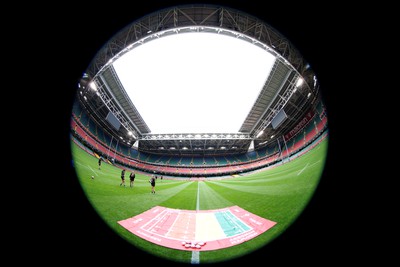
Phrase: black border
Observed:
(74, 33)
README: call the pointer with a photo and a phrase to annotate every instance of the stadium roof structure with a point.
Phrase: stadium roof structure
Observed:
(288, 93)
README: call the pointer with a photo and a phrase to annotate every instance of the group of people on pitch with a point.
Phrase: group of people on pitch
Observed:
(132, 176)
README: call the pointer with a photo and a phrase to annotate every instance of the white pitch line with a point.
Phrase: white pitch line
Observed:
(93, 170)
(302, 169)
(86, 166)
(198, 196)
(195, 257)
(196, 254)
(315, 162)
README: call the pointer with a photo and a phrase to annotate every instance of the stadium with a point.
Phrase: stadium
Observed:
(220, 194)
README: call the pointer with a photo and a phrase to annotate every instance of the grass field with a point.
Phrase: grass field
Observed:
(279, 194)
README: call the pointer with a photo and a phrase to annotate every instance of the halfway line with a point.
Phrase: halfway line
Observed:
(196, 254)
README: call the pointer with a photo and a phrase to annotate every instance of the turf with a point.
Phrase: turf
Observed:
(279, 194)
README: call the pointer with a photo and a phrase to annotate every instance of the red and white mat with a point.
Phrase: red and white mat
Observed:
(197, 229)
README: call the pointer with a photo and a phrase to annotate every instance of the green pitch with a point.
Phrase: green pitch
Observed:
(279, 194)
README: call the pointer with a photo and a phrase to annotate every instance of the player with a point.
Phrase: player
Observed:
(122, 178)
(152, 181)
(131, 178)
(100, 160)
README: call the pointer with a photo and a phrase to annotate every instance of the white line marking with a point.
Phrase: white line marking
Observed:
(302, 169)
(86, 166)
(198, 196)
(173, 224)
(93, 170)
(196, 254)
(195, 257)
(315, 163)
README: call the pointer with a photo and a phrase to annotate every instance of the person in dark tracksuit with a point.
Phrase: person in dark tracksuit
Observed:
(152, 181)
(131, 178)
(100, 160)
(122, 178)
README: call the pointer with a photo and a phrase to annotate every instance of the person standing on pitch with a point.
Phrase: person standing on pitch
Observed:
(100, 160)
(122, 177)
(132, 178)
(152, 181)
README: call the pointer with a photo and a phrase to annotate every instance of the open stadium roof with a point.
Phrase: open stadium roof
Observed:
(194, 82)
(170, 68)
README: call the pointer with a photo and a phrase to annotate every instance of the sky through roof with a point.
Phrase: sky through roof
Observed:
(194, 82)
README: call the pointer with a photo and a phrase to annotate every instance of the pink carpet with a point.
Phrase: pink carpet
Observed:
(197, 230)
